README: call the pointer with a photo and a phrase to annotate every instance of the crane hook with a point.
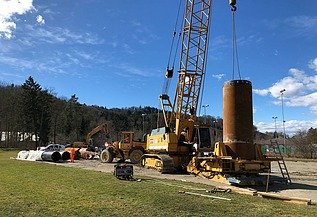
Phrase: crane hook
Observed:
(232, 3)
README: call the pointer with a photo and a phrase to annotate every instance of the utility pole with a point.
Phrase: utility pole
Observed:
(275, 133)
(282, 94)
(205, 107)
(143, 115)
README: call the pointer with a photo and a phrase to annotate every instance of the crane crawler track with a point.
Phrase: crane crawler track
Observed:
(161, 162)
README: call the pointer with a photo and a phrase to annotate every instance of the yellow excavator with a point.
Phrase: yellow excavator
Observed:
(86, 149)
(103, 128)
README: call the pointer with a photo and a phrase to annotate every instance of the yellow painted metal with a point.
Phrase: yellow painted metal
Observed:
(258, 152)
(179, 115)
(101, 128)
(217, 168)
(122, 149)
(220, 149)
(166, 142)
(152, 163)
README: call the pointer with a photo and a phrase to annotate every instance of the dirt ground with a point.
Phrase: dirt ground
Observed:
(303, 174)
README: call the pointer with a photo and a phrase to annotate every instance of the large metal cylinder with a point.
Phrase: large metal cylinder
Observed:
(65, 155)
(51, 156)
(238, 119)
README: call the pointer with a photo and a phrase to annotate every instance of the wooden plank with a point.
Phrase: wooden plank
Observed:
(285, 198)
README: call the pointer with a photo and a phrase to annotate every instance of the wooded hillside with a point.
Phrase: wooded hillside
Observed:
(29, 109)
(31, 116)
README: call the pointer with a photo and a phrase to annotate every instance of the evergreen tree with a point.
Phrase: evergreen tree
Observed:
(36, 110)
(73, 119)
(45, 122)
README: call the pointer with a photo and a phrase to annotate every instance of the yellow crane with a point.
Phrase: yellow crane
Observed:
(170, 148)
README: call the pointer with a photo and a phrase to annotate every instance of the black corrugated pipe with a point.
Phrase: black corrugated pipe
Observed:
(51, 156)
(65, 155)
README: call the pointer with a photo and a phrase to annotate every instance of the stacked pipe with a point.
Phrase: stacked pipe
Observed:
(51, 156)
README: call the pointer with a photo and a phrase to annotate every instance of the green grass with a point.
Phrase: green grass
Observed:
(40, 189)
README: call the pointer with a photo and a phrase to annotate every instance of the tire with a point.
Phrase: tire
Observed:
(106, 156)
(135, 156)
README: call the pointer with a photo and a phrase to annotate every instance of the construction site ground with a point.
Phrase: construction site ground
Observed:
(303, 174)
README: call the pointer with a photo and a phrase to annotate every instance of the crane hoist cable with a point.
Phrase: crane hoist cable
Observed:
(170, 68)
(235, 56)
(232, 3)
(173, 39)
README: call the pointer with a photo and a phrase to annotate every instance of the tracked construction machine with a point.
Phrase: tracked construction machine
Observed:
(236, 159)
(103, 128)
(170, 149)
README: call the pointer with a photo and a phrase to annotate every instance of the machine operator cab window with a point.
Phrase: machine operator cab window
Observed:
(126, 137)
(127, 140)
(203, 139)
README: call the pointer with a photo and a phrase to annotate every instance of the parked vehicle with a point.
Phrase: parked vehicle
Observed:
(52, 147)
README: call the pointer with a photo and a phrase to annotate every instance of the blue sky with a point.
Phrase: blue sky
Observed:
(114, 53)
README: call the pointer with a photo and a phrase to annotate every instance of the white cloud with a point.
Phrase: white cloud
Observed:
(297, 26)
(301, 89)
(85, 55)
(56, 64)
(247, 40)
(62, 35)
(304, 23)
(17, 63)
(263, 92)
(40, 20)
(128, 49)
(132, 70)
(129, 70)
(306, 100)
(291, 126)
(8, 9)
(218, 76)
(313, 64)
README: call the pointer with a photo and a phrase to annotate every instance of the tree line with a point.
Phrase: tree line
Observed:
(32, 116)
(40, 117)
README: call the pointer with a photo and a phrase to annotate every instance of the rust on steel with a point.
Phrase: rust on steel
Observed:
(238, 119)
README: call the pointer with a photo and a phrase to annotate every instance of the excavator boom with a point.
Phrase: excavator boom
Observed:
(101, 128)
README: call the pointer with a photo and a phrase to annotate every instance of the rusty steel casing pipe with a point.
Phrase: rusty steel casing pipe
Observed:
(238, 119)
